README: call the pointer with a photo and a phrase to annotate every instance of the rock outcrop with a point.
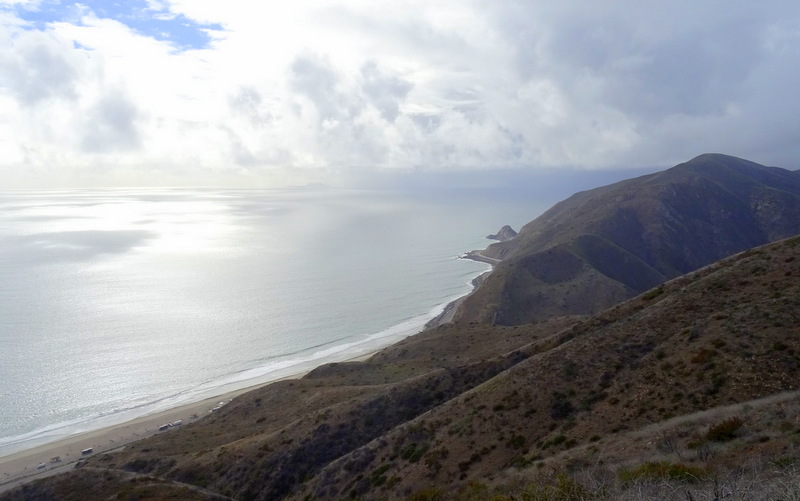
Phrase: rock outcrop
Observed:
(506, 233)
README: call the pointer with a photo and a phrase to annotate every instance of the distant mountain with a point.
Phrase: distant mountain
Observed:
(608, 244)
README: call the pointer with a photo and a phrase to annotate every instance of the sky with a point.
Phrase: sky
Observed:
(268, 94)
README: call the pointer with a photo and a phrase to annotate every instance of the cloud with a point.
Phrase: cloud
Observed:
(37, 67)
(293, 91)
(111, 124)
(385, 92)
(313, 76)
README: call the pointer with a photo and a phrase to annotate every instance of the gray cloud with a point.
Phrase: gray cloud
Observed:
(111, 124)
(248, 102)
(314, 77)
(543, 84)
(687, 77)
(344, 137)
(39, 67)
(384, 91)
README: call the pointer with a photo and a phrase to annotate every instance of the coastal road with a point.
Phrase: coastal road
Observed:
(479, 256)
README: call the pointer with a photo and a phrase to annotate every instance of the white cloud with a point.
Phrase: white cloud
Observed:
(304, 88)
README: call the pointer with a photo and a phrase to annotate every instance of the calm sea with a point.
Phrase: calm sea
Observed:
(118, 303)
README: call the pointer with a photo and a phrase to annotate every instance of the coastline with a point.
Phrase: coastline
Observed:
(20, 467)
(448, 314)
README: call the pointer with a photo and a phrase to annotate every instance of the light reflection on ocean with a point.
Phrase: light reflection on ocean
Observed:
(120, 302)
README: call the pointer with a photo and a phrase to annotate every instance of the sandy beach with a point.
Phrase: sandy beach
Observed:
(23, 466)
(37, 462)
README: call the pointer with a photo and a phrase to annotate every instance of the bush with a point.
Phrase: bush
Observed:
(724, 431)
(565, 489)
(516, 442)
(555, 441)
(662, 471)
(561, 407)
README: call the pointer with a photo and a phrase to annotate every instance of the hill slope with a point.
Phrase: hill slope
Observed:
(563, 394)
(696, 377)
(727, 334)
(605, 245)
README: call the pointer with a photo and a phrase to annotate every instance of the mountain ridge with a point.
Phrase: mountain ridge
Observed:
(632, 235)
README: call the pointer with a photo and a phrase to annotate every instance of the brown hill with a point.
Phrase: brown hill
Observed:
(500, 407)
(687, 388)
(726, 334)
(605, 245)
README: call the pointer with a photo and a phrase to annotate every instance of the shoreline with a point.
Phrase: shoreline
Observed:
(448, 314)
(22, 466)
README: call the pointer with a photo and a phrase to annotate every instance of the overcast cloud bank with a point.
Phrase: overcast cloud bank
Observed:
(203, 92)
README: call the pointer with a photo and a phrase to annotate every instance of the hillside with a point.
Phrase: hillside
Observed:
(682, 392)
(510, 407)
(724, 335)
(608, 244)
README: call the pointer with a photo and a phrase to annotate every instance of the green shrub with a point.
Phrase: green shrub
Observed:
(662, 470)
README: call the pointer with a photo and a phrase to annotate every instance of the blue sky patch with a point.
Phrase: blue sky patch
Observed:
(161, 25)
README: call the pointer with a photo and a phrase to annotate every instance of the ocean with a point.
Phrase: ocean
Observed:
(116, 303)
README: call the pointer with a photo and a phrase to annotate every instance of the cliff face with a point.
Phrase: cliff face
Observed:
(611, 243)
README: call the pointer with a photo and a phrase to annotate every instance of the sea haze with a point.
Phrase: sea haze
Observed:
(116, 303)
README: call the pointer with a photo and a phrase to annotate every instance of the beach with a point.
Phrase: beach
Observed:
(109, 340)
(21, 467)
